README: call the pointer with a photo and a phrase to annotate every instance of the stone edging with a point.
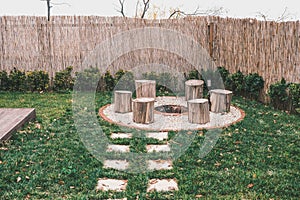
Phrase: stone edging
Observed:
(103, 116)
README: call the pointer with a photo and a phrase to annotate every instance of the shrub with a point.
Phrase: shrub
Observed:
(63, 80)
(109, 81)
(124, 80)
(193, 74)
(253, 85)
(235, 83)
(37, 80)
(294, 94)
(278, 94)
(88, 80)
(119, 74)
(150, 76)
(164, 81)
(224, 73)
(17, 80)
(4, 81)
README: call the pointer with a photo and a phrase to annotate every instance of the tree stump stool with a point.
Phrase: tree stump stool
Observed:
(143, 110)
(122, 101)
(198, 111)
(145, 88)
(193, 89)
(220, 100)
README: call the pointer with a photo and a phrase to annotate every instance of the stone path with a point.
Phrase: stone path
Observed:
(160, 185)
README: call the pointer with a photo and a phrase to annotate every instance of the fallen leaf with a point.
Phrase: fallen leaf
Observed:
(250, 185)
(61, 182)
(237, 142)
(171, 188)
(199, 196)
(19, 179)
(27, 177)
(28, 196)
(153, 181)
(38, 126)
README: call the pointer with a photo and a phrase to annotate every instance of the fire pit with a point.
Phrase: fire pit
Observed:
(166, 121)
(171, 109)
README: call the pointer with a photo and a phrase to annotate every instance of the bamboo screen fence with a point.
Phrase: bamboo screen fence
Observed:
(268, 48)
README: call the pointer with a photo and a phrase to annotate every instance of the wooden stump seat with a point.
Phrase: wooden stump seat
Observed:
(198, 111)
(220, 100)
(143, 110)
(122, 101)
(193, 89)
(145, 88)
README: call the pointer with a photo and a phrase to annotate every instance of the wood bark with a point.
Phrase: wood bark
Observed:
(193, 89)
(198, 111)
(143, 110)
(220, 100)
(145, 88)
(122, 101)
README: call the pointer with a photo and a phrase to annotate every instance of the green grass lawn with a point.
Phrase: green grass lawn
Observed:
(258, 158)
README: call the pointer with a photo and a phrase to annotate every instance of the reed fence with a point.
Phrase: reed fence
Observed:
(268, 48)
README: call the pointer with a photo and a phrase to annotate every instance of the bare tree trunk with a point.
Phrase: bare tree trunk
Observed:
(123, 101)
(198, 111)
(143, 110)
(193, 89)
(220, 100)
(145, 88)
(49, 9)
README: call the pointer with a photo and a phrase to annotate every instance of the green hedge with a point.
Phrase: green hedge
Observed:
(285, 96)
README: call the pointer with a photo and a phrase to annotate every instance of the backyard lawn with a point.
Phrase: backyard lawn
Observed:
(257, 158)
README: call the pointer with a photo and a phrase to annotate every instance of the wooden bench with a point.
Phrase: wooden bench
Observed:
(220, 100)
(122, 101)
(12, 119)
(193, 89)
(143, 110)
(198, 111)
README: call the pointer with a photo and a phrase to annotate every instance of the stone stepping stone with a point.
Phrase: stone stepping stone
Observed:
(158, 135)
(118, 148)
(116, 164)
(106, 184)
(159, 164)
(157, 148)
(162, 185)
(121, 135)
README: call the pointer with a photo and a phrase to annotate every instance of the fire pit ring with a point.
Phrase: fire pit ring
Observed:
(171, 109)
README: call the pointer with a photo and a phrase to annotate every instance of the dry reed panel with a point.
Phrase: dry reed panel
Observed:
(268, 48)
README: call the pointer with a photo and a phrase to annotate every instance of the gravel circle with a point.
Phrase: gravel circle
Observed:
(172, 122)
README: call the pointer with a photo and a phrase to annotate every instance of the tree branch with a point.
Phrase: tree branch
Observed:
(50, 5)
(121, 8)
(59, 4)
(284, 16)
(146, 7)
(136, 8)
(214, 11)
